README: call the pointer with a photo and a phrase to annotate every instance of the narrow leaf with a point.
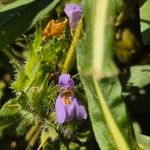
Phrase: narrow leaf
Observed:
(107, 110)
(99, 17)
(10, 114)
(145, 21)
(18, 17)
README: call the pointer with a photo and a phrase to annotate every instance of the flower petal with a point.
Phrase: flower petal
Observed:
(70, 8)
(74, 12)
(80, 112)
(61, 113)
(65, 81)
(70, 109)
(71, 83)
(74, 19)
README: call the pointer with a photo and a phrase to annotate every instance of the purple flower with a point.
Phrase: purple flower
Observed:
(66, 82)
(67, 105)
(74, 12)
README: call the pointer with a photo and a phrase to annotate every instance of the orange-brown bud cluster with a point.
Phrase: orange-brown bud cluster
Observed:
(54, 28)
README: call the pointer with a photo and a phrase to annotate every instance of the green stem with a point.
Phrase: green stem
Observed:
(32, 136)
(70, 59)
(31, 132)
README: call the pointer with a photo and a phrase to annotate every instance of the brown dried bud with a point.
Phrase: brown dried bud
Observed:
(54, 28)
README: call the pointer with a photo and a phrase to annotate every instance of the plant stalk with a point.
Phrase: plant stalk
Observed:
(71, 56)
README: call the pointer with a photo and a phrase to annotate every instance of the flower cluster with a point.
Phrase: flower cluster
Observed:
(67, 106)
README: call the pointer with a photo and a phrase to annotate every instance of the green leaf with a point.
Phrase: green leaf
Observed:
(99, 29)
(10, 113)
(23, 100)
(2, 86)
(73, 146)
(139, 76)
(26, 74)
(48, 133)
(21, 78)
(15, 4)
(42, 97)
(145, 21)
(18, 17)
(10, 108)
(37, 95)
(38, 37)
(145, 15)
(107, 109)
(25, 123)
(143, 141)
(83, 137)
(63, 146)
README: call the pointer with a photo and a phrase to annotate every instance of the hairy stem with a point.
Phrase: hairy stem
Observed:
(70, 59)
